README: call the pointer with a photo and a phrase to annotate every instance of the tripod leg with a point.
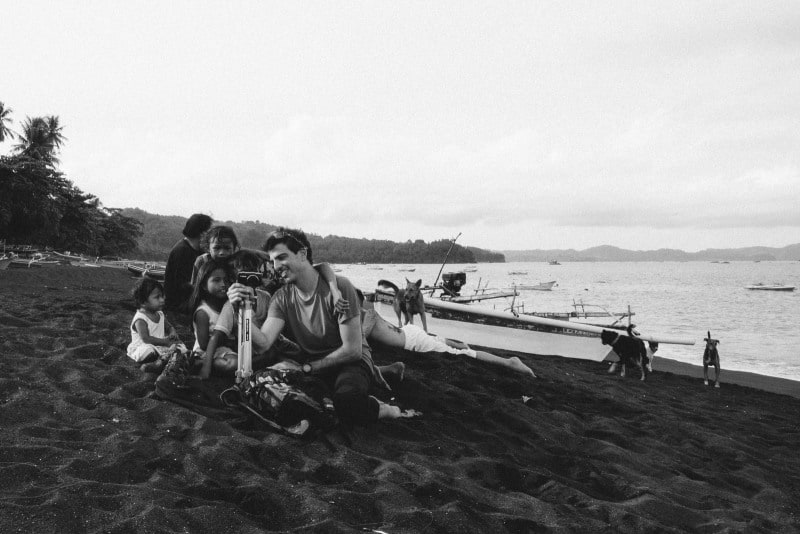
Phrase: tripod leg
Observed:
(245, 353)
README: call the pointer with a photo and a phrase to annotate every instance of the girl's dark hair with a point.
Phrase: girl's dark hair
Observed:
(196, 225)
(143, 288)
(248, 260)
(199, 289)
(220, 232)
(256, 261)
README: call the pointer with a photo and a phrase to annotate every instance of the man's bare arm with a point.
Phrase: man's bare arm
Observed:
(349, 352)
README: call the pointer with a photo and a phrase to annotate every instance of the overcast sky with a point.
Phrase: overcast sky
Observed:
(522, 125)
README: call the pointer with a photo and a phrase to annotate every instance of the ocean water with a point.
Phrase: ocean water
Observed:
(758, 330)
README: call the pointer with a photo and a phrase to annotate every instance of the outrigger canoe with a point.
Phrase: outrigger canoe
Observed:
(503, 330)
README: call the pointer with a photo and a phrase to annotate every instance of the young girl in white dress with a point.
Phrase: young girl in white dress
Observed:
(153, 339)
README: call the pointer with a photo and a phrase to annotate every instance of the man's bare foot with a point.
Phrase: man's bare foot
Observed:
(394, 372)
(517, 365)
(389, 411)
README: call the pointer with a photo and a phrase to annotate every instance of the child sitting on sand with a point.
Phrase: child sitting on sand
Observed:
(153, 339)
(221, 242)
(208, 298)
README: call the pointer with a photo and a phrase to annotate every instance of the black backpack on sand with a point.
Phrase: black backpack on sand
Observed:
(288, 401)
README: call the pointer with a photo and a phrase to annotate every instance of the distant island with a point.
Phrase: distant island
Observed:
(610, 253)
(160, 232)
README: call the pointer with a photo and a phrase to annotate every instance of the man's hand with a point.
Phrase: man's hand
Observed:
(237, 293)
(340, 305)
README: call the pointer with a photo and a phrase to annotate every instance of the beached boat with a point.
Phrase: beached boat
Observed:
(482, 326)
(5, 262)
(150, 271)
(770, 287)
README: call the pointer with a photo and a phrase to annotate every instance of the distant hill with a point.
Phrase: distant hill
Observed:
(160, 233)
(610, 253)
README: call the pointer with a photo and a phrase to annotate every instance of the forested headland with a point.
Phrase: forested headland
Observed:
(40, 206)
(160, 233)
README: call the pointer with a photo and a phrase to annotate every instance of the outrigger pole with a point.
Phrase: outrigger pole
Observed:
(452, 244)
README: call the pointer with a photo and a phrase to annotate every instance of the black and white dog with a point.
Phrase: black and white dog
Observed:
(711, 357)
(630, 349)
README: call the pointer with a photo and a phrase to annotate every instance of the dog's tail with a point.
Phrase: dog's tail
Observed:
(389, 285)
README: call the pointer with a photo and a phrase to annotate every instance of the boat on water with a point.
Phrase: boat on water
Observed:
(471, 269)
(553, 262)
(517, 273)
(486, 327)
(770, 287)
(543, 286)
(451, 286)
(407, 269)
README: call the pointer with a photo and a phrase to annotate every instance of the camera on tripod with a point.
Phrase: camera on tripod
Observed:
(250, 278)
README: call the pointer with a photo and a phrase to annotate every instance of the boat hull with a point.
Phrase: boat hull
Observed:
(502, 330)
(156, 274)
(770, 288)
(545, 340)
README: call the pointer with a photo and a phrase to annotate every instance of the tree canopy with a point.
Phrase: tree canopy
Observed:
(40, 206)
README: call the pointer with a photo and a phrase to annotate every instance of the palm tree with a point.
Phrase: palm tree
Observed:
(41, 138)
(54, 131)
(5, 131)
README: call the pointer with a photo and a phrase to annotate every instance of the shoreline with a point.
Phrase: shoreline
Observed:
(772, 384)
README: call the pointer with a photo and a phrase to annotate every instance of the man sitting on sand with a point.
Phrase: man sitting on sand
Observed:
(332, 344)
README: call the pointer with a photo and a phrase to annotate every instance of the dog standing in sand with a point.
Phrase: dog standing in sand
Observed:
(711, 357)
(630, 349)
(408, 302)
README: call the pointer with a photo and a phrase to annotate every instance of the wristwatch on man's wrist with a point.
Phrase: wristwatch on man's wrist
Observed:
(306, 368)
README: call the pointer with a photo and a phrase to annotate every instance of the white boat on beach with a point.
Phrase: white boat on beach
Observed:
(482, 326)
(157, 272)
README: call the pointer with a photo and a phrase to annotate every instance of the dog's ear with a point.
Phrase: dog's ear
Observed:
(419, 283)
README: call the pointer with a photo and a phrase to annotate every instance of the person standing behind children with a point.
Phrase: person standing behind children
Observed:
(178, 275)
(208, 297)
(152, 337)
(221, 243)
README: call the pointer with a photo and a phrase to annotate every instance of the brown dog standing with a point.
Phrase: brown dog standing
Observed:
(711, 357)
(408, 301)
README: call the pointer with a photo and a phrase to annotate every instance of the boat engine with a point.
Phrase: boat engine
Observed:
(453, 282)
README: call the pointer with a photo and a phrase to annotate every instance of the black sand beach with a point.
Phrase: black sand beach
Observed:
(85, 447)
